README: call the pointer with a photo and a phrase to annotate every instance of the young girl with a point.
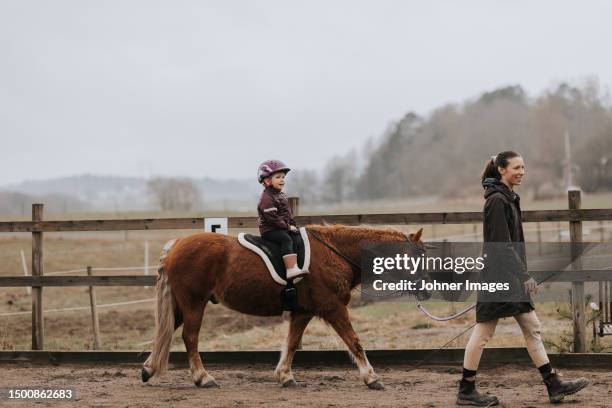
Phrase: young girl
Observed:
(502, 223)
(276, 222)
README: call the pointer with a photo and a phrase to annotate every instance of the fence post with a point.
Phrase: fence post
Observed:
(294, 205)
(37, 270)
(94, 313)
(578, 309)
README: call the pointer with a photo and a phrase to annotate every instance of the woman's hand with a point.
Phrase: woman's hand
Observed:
(293, 228)
(531, 286)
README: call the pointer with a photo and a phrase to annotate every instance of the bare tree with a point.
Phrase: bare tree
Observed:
(16, 203)
(305, 185)
(174, 194)
(595, 162)
(339, 179)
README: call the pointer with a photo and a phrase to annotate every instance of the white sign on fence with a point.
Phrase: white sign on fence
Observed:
(215, 225)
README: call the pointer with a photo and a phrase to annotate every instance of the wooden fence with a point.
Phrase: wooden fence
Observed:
(574, 215)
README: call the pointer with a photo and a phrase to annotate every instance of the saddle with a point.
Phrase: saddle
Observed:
(270, 253)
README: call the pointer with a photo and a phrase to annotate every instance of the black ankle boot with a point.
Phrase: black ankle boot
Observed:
(469, 396)
(558, 389)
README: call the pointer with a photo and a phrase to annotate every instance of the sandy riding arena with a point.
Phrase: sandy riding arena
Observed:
(255, 386)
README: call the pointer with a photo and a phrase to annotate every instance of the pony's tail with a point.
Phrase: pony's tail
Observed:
(157, 363)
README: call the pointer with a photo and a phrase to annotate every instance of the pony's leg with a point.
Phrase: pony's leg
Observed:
(340, 321)
(192, 321)
(297, 325)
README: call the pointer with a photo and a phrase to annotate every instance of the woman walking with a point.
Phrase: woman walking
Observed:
(502, 223)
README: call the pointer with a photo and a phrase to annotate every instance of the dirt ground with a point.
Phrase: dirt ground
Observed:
(252, 386)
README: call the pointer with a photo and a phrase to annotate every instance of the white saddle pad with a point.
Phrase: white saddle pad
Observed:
(267, 261)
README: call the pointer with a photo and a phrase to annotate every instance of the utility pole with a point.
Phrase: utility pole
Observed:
(569, 166)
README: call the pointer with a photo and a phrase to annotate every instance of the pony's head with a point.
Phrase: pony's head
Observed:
(348, 241)
(411, 245)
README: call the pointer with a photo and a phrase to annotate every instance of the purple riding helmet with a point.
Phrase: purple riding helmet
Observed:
(269, 167)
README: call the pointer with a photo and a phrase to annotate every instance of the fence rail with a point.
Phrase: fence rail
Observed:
(149, 280)
(346, 219)
(309, 358)
(107, 280)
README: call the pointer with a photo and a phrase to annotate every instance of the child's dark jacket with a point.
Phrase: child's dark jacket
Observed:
(274, 211)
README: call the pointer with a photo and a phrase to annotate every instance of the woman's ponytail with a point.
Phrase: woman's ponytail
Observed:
(491, 166)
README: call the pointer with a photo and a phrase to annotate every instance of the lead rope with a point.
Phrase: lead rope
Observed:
(442, 319)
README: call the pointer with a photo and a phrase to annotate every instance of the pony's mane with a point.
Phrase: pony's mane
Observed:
(358, 231)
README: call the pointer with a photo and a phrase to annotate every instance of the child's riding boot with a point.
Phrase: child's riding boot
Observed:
(558, 389)
(469, 396)
(291, 265)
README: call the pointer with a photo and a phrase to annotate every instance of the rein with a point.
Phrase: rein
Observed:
(419, 305)
(334, 250)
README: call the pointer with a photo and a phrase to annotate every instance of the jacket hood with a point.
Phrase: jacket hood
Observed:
(493, 185)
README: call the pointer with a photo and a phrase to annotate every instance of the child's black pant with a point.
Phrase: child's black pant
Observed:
(284, 239)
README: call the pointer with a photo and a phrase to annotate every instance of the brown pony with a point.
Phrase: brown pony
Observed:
(196, 267)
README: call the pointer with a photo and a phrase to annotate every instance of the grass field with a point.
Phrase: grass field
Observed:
(380, 325)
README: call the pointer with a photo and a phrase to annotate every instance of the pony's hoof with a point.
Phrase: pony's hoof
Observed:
(376, 385)
(210, 383)
(144, 374)
(291, 383)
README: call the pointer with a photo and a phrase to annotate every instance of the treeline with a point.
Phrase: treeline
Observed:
(20, 204)
(443, 154)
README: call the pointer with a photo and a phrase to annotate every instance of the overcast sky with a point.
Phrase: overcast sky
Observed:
(212, 88)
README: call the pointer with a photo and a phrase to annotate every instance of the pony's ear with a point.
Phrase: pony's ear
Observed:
(416, 237)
